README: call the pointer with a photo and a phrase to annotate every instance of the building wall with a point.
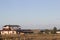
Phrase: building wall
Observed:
(58, 32)
(8, 32)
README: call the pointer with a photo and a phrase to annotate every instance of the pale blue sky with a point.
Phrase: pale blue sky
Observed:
(30, 13)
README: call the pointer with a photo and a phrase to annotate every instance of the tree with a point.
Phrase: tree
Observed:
(54, 30)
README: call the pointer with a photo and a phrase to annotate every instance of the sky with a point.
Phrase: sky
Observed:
(30, 14)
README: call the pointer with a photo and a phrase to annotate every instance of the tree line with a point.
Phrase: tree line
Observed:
(47, 31)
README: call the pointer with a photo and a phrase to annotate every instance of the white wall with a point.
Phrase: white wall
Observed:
(58, 32)
(8, 32)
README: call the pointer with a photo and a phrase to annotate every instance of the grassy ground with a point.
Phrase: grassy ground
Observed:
(32, 37)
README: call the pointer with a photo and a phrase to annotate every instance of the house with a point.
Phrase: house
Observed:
(14, 29)
(10, 29)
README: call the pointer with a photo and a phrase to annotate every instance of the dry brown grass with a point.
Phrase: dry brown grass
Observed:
(33, 37)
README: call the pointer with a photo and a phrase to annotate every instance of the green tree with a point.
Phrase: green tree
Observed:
(54, 30)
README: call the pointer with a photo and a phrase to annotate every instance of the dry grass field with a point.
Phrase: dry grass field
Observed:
(31, 37)
(44, 36)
